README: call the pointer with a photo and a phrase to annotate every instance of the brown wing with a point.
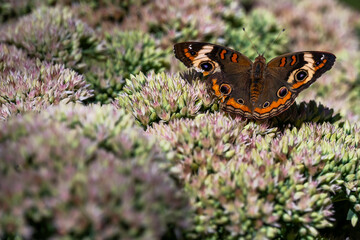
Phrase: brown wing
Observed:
(286, 76)
(228, 73)
(197, 54)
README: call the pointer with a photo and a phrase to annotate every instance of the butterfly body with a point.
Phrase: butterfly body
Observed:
(256, 90)
(257, 78)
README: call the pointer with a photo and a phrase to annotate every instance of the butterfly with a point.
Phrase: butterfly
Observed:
(255, 90)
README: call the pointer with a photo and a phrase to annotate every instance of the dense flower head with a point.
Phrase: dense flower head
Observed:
(61, 180)
(103, 14)
(26, 84)
(173, 21)
(127, 53)
(249, 180)
(162, 97)
(55, 35)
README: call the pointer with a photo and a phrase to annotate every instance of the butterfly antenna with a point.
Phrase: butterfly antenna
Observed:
(252, 44)
(267, 47)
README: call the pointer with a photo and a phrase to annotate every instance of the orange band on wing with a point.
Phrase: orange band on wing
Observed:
(233, 103)
(293, 57)
(273, 104)
(283, 62)
(321, 65)
(234, 58)
(222, 54)
(298, 84)
(216, 88)
(188, 55)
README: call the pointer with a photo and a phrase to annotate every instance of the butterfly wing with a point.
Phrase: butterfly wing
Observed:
(227, 71)
(195, 54)
(286, 76)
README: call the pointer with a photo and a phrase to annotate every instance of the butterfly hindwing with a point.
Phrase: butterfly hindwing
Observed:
(233, 92)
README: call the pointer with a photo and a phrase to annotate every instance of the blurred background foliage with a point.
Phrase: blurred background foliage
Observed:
(104, 135)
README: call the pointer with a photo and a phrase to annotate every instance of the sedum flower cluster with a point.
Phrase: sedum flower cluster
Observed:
(163, 97)
(55, 35)
(26, 84)
(250, 181)
(73, 172)
(127, 53)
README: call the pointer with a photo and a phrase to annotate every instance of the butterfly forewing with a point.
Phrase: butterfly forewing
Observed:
(229, 78)
(229, 61)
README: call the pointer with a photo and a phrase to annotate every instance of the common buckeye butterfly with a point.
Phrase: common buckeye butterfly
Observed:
(254, 90)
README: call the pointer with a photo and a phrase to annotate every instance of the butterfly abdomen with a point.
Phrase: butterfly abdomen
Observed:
(256, 88)
(257, 77)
